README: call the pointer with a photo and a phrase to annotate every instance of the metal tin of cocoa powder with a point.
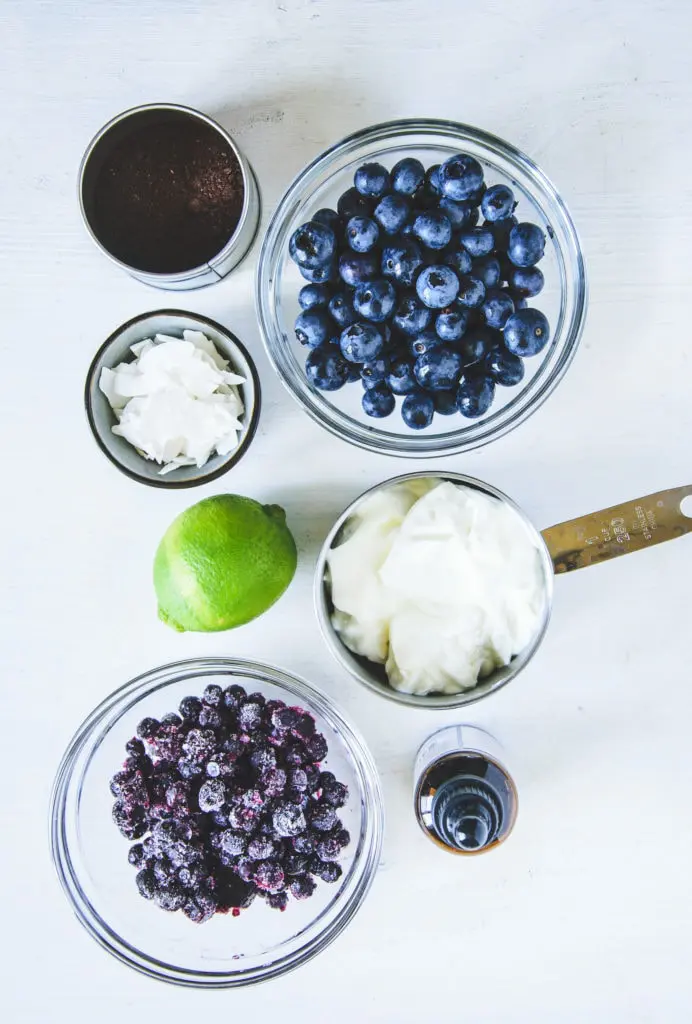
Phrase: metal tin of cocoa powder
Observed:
(167, 195)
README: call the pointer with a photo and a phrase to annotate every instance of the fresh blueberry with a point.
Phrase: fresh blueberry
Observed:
(446, 402)
(321, 275)
(437, 286)
(439, 369)
(477, 241)
(504, 367)
(362, 233)
(497, 307)
(417, 410)
(526, 245)
(517, 298)
(330, 218)
(374, 372)
(375, 300)
(460, 176)
(459, 260)
(498, 203)
(312, 245)
(475, 396)
(391, 213)
(527, 332)
(361, 343)
(471, 291)
(400, 262)
(400, 378)
(487, 270)
(461, 214)
(378, 401)
(407, 176)
(313, 327)
(372, 179)
(424, 341)
(501, 230)
(358, 267)
(341, 309)
(353, 204)
(527, 281)
(433, 229)
(451, 324)
(432, 179)
(313, 296)
(326, 369)
(475, 346)
(410, 315)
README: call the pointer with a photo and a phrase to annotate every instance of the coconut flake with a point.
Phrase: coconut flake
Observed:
(177, 402)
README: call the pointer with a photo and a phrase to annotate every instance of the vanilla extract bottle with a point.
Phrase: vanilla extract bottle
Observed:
(465, 800)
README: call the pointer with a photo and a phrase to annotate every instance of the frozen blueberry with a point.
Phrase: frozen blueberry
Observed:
(328, 871)
(527, 332)
(146, 883)
(261, 848)
(407, 176)
(400, 378)
(459, 260)
(362, 233)
(322, 274)
(410, 315)
(233, 696)
(460, 176)
(358, 267)
(446, 402)
(438, 370)
(391, 213)
(526, 245)
(497, 307)
(433, 229)
(277, 900)
(487, 270)
(498, 203)
(375, 300)
(353, 204)
(450, 325)
(437, 286)
(213, 695)
(475, 396)
(263, 758)
(333, 792)
(135, 856)
(313, 327)
(273, 781)
(361, 342)
(135, 747)
(305, 843)
(325, 369)
(477, 241)
(378, 401)
(317, 747)
(269, 876)
(401, 262)
(212, 795)
(147, 728)
(302, 888)
(504, 367)
(295, 863)
(372, 179)
(312, 245)
(314, 296)
(170, 897)
(417, 410)
(471, 291)
(461, 214)
(527, 281)
(330, 219)
(132, 821)
(328, 848)
(233, 843)
(288, 819)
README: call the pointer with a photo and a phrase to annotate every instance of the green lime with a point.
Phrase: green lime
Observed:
(223, 562)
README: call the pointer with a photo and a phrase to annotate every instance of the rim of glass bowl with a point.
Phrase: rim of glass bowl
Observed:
(573, 291)
(66, 795)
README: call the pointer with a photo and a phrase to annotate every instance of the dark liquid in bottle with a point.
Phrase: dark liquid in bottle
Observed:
(466, 802)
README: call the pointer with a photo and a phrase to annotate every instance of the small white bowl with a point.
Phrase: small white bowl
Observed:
(116, 349)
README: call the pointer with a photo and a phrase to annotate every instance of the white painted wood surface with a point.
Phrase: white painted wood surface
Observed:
(584, 914)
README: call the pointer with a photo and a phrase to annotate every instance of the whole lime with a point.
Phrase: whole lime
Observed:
(223, 562)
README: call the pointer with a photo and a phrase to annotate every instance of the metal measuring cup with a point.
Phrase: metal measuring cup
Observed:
(598, 537)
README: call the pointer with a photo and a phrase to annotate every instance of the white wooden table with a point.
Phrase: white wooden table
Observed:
(584, 914)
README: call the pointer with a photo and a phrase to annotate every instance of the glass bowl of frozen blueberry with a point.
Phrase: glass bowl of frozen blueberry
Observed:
(215, 823)
(421, 288)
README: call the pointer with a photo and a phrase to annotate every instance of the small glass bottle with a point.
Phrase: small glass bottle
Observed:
(464, 799)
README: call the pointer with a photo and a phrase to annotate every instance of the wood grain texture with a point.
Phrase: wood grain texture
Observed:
(583, 915)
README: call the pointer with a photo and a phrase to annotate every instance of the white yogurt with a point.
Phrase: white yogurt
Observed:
(438, 582)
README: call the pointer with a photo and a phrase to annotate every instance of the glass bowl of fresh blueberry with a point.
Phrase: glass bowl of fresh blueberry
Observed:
(421, 288)
(216, 823)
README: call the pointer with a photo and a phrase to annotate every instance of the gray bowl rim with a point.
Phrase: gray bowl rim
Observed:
(167, 482)
(346, 658)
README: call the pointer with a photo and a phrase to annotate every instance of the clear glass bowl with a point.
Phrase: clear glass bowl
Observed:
(90, 855)
(563, 299)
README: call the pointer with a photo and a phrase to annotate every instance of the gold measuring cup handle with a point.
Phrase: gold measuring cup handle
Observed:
(619, 530)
